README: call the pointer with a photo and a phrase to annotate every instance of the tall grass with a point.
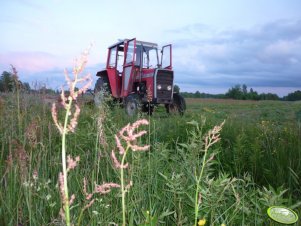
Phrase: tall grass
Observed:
(255, 164)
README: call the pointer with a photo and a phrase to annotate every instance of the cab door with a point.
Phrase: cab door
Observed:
(128, 67)
(166, 57)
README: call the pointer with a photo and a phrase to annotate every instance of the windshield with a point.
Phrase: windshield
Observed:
(147, 56)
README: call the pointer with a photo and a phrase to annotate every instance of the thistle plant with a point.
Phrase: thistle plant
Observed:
(72, 111)
(212, 137)
(129, 136)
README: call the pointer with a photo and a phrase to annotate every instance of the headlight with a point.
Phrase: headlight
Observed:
(168, 88)
(159, 86)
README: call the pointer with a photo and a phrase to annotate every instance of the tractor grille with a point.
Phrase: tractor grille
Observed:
(165, 79)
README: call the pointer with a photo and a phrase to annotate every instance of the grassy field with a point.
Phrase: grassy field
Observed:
(255, 164)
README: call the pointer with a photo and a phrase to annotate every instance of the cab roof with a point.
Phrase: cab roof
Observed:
(146, 44)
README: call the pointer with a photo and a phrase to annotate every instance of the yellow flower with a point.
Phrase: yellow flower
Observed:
(223, 224)
(202, 222)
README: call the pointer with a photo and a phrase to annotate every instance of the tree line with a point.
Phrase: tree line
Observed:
(241, 92)
(9, 82)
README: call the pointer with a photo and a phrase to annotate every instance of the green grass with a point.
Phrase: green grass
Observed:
(257, 159)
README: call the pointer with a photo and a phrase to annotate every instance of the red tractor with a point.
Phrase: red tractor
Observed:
(136, 76)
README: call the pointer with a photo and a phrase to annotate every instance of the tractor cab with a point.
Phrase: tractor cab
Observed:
(135, 70)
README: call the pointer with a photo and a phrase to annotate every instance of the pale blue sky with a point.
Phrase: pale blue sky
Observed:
(217, 44)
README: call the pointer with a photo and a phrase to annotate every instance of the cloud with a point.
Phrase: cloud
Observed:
(54, 78)
(263, 56)
(43, 69)
(282, 52)
(30, 61)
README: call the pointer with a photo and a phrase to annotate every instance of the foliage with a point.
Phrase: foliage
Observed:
(8, 84)
(240, 92)
(238, 184)
(181, 180)
(198, 94)
(176, 89)
(293, 96)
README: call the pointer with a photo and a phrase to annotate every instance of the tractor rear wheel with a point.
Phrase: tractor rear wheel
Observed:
(101, 90)
(178, 106)
(132, 103)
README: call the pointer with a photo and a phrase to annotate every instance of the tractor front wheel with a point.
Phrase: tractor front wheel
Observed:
(178, 106)
(132, 104)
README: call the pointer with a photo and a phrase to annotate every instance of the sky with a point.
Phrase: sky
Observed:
(216, 44)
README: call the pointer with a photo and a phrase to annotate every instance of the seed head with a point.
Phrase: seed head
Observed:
(71, 162)
(105, 188)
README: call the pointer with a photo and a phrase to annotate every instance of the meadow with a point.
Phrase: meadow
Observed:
(254, 163)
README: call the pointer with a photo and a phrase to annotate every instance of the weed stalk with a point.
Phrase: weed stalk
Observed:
(211, 138)
(64, 165)
(123, 190)
(69, 126)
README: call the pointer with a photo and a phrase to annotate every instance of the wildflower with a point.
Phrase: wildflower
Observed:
(102, 189)
(105, 188)
(119, 146)
(213, 135)
(127, 133)
(66, 101)
(55, 119)
(89, 204)
(71, 162)
(62, 189)
(85, 187)
(117, 164)
(73, 121)
(35, 175)
(71, 199)
(202, 222)
(223, 224)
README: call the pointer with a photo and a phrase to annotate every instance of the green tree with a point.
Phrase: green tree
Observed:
(235, 92)
(253, 95)
(176, 89)
(293, 96)
(268, 96)
(197, 94)
(6, 82)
